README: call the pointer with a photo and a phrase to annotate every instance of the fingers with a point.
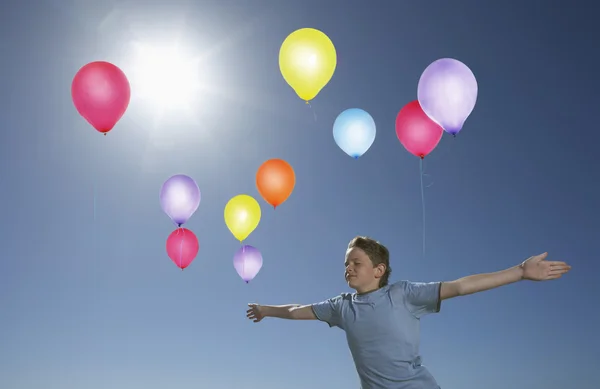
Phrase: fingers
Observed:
(254, 318)
(557, 263)
(252, 314)
(560, 268)
(557, 269)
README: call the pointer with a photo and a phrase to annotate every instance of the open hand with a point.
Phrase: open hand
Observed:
(254, 313)
(536, 268)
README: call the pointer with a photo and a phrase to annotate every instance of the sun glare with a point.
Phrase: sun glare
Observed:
(167, 77)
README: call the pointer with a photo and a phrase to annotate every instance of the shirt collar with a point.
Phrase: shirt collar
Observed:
(368, 298)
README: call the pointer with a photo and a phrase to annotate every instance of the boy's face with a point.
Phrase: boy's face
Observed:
(360, 273)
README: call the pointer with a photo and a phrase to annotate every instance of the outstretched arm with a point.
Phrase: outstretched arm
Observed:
(292, 312)
(535, 268)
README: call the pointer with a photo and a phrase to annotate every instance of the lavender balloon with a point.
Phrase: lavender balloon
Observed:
(447, 92)
(179, 198)
(247, 262)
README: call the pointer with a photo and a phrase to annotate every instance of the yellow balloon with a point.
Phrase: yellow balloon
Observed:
(242, 215)
(307, 60)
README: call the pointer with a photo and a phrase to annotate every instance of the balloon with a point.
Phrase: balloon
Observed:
(179, 198)
(416, 131)
(242, 215)
(247, 262)
(182, 247)
(275, 181)
(307, 60)
(447, 92)
(101, 94)
(354, 132)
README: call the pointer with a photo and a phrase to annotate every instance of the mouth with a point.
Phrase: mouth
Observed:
(350, 277)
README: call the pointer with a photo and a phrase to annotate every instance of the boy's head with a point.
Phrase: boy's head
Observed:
(367, 264)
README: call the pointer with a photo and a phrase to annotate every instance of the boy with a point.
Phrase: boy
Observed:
(381, 321)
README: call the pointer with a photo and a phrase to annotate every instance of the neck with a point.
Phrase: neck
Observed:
(367, 289)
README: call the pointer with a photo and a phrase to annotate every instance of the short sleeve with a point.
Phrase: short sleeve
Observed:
(420, 298)
(329, 311)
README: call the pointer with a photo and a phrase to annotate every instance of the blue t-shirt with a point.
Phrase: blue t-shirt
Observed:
(383, 332)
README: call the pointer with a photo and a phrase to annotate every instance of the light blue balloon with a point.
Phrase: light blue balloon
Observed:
(354, 131)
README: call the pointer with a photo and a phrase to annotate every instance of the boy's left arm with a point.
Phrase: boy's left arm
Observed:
(535, 268)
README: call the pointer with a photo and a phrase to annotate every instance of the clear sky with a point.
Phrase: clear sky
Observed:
(97, 304)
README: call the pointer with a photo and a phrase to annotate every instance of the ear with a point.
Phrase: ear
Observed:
(380, 270)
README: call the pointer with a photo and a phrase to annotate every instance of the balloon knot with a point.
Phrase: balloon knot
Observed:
(105, 133)
(307, 103)
(247, 281)
(422, 156)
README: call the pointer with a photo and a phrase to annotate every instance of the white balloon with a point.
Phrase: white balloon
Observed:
(354, 131)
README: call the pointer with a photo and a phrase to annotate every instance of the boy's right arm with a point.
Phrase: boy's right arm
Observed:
(292, 312)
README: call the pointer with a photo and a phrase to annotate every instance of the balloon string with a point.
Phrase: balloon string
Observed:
(94, 232)
(94, 200)
(95, 229)
(95, 215)
(424, 162)
(313, 110)
(94, 211)
(422, 202)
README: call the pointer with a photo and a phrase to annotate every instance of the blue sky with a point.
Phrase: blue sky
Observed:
(97, 304)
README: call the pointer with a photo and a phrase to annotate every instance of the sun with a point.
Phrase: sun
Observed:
(167, 77)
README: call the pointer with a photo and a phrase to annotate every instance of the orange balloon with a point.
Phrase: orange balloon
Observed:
(275, 180)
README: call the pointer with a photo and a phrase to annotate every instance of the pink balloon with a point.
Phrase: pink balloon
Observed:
(416, 131)
(182, 247)
(101, 94)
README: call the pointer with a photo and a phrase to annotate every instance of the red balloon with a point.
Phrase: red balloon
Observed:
(182, 247)
(416, 131)
(101, 94)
